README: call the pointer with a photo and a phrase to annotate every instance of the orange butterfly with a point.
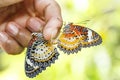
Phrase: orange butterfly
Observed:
(74, 37)
(41, 53)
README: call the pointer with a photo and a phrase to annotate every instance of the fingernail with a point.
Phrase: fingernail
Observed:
(54, 34)
(35, 24)
(3, 37)
(50, 33)
(13, 29)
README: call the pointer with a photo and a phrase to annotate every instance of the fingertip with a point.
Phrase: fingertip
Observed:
(47, 33)
(9, 45)
(18, 34)
(16, 51)
(3, 37)
(52, 28)
(50, 33)
(12, 28)
(34, 24)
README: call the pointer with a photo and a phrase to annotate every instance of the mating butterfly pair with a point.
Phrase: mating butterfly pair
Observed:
(42, 53)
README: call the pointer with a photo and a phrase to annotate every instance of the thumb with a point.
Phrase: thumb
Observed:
(50, 33)
(52, 28)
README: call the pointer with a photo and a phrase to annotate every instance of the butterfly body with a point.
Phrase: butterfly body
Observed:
(42, 53)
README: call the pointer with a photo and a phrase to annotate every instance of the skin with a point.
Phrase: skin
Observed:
(19, 20)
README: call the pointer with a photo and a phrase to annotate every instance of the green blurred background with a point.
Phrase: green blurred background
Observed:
(96, 63)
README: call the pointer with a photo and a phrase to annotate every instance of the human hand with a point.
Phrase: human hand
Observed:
(20, 20)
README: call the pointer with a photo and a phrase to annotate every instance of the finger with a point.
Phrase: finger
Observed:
(21, 35)
(52, 28)
(21, 18)
(35, 24)
(8, 2)
(52, 13)
(29, 4)
(9, 44)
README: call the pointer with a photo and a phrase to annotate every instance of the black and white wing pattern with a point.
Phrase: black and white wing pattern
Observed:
(40, 54)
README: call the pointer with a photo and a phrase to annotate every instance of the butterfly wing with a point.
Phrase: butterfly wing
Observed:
(68, 41)
(40, 54)
(87, 37)
(74, 37)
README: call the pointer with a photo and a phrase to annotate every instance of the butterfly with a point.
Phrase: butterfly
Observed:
(42, 53)
(75, 37)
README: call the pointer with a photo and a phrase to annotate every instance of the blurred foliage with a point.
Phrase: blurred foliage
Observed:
(95, 63)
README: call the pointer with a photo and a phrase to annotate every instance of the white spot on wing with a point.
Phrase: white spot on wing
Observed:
(30, 63)
(90, 35)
